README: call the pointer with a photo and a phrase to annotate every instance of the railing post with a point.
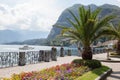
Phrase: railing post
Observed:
(22, 60)
(47, 56)
(61, 52)
(69, 52)
(41, 56)
(54, 54)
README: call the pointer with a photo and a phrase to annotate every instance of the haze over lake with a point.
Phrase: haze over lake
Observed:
(16, 47)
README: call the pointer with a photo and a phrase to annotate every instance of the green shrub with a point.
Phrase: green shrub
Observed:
(78, 61)
(93, 64)
(90, 63)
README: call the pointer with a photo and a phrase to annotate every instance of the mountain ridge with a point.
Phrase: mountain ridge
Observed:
(7, 36)
(107, 9)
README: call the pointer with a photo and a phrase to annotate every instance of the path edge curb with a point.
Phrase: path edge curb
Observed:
(104, 75)
(117, 61)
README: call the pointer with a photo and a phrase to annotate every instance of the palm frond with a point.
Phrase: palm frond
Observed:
(73, 24)
(76, 19)
(62, 27)
(102, 23)
(86, 27)
(95, 13)
(104, 32)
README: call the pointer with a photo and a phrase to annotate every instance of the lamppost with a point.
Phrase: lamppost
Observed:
(108, 49)
(62, 50)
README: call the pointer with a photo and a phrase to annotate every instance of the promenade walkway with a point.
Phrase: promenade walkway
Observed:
(114, 65)
(7, 72)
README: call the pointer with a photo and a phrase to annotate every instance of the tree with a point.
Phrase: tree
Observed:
(115, 31)
(86, 28)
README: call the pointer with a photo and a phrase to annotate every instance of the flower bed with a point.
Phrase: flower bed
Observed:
(59, 72)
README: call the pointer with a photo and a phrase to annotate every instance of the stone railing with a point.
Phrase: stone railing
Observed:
(23, 57)
(8, 59)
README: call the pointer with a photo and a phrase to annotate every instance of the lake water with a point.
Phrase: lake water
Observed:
(16, 47)
(8, 48)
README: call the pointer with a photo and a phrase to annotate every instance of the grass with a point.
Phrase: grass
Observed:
(92, 75)
(114, 54)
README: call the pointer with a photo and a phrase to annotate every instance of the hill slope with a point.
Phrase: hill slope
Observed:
(107, 9)
(7, 36)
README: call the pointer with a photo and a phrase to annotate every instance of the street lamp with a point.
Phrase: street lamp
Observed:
(108, 49)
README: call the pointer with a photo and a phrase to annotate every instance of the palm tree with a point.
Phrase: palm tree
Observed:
(86, 28)
(116, 35)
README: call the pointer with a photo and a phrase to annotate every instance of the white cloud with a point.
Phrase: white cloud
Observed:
(32, 14)
(2, 28)
(46, 13)
(24, 26)
(118, 0)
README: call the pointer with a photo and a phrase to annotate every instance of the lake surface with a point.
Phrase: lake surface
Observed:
(16, 47)
(7, 48)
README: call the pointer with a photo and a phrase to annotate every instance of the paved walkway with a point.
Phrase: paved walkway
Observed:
(7, 72)
(116, 71)
(114, 65)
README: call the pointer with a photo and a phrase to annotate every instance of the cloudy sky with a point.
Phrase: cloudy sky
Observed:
(37, 14)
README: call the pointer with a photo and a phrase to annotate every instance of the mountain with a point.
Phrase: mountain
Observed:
(41, 41)
(33, 34)
(7, 36)
(35, 42)
(107, 9)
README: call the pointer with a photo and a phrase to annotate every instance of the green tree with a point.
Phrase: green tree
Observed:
(115, 31)
(86, 28)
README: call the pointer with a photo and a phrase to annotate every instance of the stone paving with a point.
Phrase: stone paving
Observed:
(116, 71)
(114, 65)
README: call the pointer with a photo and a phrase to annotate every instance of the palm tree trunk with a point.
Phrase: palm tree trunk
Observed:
(87, 53)
(118, 47)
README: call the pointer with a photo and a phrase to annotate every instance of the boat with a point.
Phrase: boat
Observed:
(26, 47)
